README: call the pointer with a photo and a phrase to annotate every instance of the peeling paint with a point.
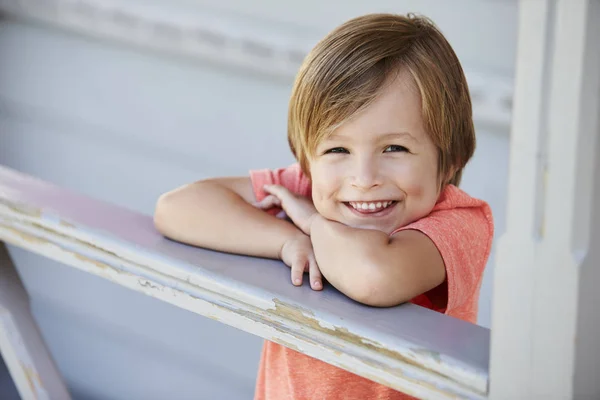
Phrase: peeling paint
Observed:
(72, 238)
(22, 209)
(33, 379)
(37, 240)
(98, 264)
(326, 325)
(27, 372)
(66, 224)
(26, 237)
(434, 355)
(306, 317)
(288, 345)
(147, 284)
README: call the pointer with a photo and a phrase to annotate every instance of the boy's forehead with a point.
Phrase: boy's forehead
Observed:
(395, 114)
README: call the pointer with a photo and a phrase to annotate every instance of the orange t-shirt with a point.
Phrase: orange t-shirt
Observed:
(462, 229)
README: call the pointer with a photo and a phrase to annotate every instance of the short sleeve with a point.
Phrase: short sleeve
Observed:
(292, 178)
(463, 235)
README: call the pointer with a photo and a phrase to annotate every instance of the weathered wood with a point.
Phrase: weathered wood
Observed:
(409, 348)
(21, 345)
(544, 346)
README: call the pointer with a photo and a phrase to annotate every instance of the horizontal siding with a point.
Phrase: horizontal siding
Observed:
(209, 118)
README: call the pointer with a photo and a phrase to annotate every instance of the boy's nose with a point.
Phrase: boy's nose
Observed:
(366, 175)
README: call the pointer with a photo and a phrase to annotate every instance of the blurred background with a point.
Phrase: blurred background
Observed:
(124, 100)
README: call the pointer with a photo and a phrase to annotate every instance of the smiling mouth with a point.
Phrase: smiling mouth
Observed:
(371, 207)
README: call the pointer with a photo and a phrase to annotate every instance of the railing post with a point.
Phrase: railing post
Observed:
(543, 337)
(21, 345)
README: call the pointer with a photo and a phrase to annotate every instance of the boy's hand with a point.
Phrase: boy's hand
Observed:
(298, 254)
(268, 203)
(298, 208)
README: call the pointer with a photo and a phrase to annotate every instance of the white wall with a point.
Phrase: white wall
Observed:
(482, 32)
(124, 124)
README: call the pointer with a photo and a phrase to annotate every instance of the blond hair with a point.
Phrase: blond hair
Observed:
(345, 71)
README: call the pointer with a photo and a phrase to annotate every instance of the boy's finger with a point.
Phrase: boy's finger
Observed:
(272, 200)
(314, 274)
(298, 271)
(277, 190)
(268, 202)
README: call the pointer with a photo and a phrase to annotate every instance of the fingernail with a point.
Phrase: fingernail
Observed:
(317, 284)
(297, 281)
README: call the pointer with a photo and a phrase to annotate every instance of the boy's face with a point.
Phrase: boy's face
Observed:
(379, 170)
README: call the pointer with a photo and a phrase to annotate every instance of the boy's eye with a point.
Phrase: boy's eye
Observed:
(337, 150)
(395, 148)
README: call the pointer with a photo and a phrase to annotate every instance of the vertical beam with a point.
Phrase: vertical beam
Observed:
(514, 273)
(538, 325)
(565, 252)
(587, 356)
(21, 344)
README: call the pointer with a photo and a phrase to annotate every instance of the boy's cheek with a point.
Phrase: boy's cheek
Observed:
(420, 187)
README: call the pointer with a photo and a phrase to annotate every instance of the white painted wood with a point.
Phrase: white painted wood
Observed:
(587, 358)
(543, 262)
(573, 134)
(21, 345)
(514, 273)
(225, 38)
(412, 349)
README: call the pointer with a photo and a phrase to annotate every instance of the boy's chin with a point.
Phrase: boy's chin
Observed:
(372, 227)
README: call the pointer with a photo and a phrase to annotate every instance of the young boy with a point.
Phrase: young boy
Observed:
(380, 123)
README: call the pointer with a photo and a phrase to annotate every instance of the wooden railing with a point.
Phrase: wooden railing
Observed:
(409, 348)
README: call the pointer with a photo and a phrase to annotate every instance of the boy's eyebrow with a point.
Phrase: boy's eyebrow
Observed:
(385, 136)
(396, 135)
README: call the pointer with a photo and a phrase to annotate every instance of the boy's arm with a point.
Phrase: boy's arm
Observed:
(367, 265)
(372, 268)
(217, 214)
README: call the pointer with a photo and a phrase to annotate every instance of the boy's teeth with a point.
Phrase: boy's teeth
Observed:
(380, 205)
